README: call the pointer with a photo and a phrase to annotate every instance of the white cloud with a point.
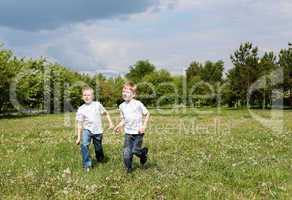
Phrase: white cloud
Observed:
(170, 38)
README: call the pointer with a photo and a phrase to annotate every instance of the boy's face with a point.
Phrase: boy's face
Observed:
(87, 96)
(128, 93)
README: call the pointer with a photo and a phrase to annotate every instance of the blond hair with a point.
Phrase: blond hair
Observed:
(87, 88)
(131, 86)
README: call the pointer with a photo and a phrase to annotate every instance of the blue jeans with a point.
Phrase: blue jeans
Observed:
(87, 136)
(132, 146)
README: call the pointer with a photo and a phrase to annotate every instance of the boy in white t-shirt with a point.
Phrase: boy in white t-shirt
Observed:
(132, 112)
(89, 126)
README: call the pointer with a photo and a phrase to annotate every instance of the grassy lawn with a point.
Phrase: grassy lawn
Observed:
(193, 155)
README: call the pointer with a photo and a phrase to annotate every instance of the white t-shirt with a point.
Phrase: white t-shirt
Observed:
(90, 116)
(132, 112)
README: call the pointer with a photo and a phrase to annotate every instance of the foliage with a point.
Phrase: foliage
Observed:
(37, 84)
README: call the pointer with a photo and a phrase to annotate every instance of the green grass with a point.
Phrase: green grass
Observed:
(193, 155)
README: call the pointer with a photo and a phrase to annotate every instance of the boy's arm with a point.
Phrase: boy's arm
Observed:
(145, 123)
(103, 111)
(118, 128)
(79, 132)
(146, 120)
(146, 113)
(79, 125)
(110, 122)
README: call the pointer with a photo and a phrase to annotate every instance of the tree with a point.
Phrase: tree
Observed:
(9, 67)
(194, 70)
(285, 61)
(30, 84)
(139, 70)
(202, 81)
(246, 71)
(268, 63)
(212, 72)
(117, 85)
(154, 85)
(250, 77)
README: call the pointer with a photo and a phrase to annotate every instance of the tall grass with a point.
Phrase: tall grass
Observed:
(193, 155)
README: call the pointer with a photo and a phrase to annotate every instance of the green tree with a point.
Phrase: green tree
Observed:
(156, 85)
(212, 72)
(268, 63)
(30, 84)
(202, 81)
(117, 85)
(285, 61)
(139, 70)
(194, 70)
(9, 67)
(246, 71)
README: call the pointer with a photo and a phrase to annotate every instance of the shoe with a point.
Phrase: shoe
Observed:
(129, 170)
(87, 169)
(143, 159)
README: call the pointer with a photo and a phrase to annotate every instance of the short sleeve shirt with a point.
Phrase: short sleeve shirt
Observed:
(132, 112)
(90, 116)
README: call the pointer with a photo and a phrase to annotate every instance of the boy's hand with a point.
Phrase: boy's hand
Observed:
(141, 130)
(78, 141)
(117, 129)
(111, 126)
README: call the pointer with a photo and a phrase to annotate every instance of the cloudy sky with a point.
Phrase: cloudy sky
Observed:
(108, 36)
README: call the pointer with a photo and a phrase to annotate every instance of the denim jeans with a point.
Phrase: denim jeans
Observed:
(132, 146)
(87, 136)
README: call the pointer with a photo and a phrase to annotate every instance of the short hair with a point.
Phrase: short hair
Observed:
(131, 86)
(87, 88)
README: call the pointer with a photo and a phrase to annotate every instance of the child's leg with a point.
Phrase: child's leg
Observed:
(85, 148)
(97, 141)
(138, 150)
(128, 155)
(137, 145)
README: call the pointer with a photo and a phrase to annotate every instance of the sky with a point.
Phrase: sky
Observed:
(108, 36)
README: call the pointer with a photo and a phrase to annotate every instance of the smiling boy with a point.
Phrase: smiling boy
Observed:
(89, 126)
(132, 112)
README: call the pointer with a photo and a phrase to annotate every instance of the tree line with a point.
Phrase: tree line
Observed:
(259, 81)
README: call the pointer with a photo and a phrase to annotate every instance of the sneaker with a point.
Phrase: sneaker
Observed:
(129, 170)
(143, 159)
(87, 169)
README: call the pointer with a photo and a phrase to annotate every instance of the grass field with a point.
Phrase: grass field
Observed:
(193, 155)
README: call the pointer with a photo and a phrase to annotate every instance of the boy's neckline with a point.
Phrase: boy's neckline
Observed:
(129, 101)
(88, 103)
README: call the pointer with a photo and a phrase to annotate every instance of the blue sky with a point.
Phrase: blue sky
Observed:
(108, 36)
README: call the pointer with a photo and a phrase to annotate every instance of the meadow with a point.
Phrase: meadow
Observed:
(194, 154)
